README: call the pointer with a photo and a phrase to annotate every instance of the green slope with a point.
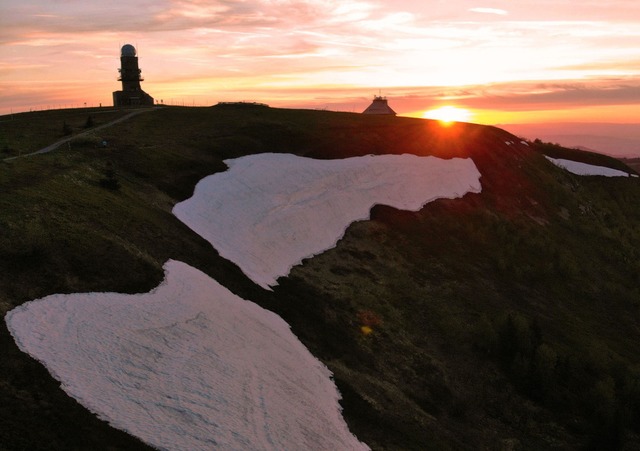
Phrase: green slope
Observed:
(507, 319)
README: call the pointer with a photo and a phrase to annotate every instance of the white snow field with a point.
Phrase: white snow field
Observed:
(269, 211)
(575, 167)
(188, 366)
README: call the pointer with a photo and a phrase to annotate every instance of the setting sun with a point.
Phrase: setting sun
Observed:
(448, 114)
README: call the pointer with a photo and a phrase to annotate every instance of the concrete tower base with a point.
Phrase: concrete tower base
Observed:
(132, 98)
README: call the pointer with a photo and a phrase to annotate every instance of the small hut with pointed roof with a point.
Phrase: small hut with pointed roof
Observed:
(379, 106)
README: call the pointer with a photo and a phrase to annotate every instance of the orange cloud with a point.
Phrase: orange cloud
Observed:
(537, 56)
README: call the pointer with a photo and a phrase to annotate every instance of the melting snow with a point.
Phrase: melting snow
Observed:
(186, 366)
(192, 366)
(578, 168)
(270, 211)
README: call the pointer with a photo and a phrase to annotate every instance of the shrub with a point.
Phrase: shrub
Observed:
(110, 180)
(66, 129)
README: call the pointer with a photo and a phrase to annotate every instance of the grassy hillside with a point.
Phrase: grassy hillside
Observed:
(507, 319)
(633, 163)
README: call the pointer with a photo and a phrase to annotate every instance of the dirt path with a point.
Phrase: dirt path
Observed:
(57, 144)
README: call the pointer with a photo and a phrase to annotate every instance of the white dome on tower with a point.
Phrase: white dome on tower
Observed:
(128, 50)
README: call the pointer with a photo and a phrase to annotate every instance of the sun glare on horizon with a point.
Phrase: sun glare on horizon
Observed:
(448, 114)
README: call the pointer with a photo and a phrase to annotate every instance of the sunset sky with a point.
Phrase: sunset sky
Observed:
(504, 60)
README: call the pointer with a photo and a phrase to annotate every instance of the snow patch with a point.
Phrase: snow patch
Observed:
(270, 211)
(186, 366)
(579, 168)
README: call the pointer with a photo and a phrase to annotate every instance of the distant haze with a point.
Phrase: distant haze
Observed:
(618, 140)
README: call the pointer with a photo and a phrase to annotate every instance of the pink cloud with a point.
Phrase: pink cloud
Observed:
(331, 51)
